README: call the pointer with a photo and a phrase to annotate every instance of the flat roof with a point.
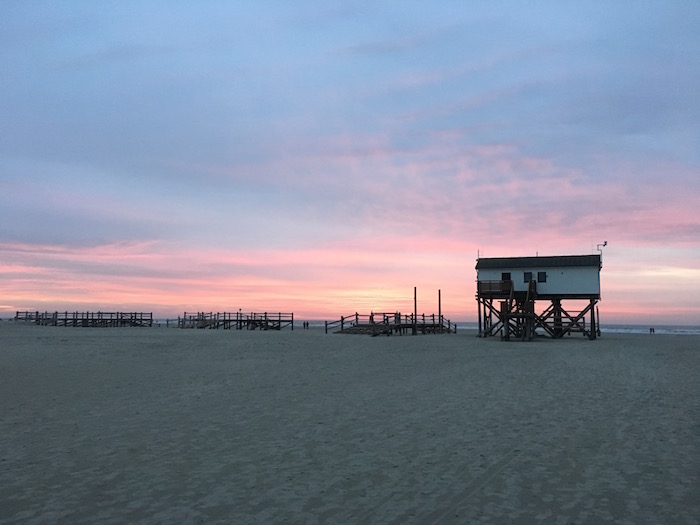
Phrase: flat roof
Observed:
(538, 262)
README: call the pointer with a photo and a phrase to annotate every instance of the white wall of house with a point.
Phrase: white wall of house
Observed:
(569, 280)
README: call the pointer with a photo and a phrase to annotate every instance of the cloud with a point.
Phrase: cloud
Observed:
(324, 154)
(277, 279)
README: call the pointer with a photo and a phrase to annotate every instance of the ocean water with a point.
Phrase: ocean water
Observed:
(605, 328)
(624, 328)
(644, 329)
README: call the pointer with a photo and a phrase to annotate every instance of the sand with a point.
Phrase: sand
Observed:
(157, 425)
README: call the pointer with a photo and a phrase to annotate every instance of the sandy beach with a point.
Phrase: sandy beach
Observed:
(157, 425)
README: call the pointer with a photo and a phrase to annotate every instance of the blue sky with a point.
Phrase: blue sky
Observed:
(324, 157)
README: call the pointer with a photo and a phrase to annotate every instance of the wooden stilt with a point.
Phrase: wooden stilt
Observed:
(415, 310)
(480, 334)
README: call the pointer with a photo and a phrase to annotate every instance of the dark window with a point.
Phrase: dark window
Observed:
(541, 277)
(527, 277)
(505, 276)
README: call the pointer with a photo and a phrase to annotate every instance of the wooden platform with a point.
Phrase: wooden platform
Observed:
(512, 313)
(236, 320)
(391, 323)
(87, 319)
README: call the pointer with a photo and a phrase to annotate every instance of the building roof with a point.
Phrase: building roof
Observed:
(539, 262)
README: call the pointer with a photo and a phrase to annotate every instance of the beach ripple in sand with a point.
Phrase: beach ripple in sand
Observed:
(175, 426)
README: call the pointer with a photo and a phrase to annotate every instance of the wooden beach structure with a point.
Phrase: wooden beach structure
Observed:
(87, 319)
(380, 323)
(236, 320)
(510, 288)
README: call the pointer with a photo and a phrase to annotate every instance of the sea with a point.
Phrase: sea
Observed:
(605, 328)
(645, 329)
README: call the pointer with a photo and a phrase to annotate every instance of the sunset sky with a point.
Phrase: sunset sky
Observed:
(324, 157)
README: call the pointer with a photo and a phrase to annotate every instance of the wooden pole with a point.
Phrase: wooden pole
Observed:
(478, 302)
(557, 318)
(415, 310)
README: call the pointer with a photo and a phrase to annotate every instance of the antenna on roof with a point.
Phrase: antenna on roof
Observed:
(600, 247)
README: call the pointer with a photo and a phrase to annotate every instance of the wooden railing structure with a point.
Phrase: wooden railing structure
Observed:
(513, 314)
(516, 313)
(236, 320)
(87, 319)
(381, 323)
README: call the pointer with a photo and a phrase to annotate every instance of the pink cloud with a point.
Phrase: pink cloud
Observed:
(324, 281)
(321, 280)
(386, 220)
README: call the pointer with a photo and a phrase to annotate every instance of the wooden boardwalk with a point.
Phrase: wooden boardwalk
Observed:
(236, 320)
(87, 319)
(391, 323)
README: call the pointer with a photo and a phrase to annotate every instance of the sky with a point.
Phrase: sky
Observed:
(326, 157)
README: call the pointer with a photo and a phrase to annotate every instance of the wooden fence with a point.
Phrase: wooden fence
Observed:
(378, 323)
(87, 319)
(237, 320)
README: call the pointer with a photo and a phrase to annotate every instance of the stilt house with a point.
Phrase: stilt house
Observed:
(509, 287)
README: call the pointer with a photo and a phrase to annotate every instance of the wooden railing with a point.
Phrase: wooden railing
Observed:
(386, 323)
(493, 287)
(237, 320)
(87, 319)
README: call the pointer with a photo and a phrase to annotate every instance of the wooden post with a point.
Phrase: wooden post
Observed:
(505, 321)
(557, 318)
(415, 310)
(478, 302)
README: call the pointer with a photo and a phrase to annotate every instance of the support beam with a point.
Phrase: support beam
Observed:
(415, 310)
(478, 302)
(516, 316)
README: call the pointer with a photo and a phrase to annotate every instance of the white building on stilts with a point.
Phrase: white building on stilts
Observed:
(510, 288)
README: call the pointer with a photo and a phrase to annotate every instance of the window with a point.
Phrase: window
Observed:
(505, 276)
(541, 277)
(527, 277)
